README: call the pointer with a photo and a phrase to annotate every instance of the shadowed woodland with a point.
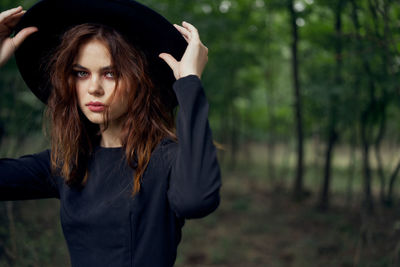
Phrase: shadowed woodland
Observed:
(305, 108)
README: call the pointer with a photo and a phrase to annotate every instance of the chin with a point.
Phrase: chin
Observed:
(99, 122)
(96, 119)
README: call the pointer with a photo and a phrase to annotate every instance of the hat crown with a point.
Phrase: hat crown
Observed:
(141, 26)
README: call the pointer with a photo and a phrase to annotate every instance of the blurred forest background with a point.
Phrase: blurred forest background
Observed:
(305, 101)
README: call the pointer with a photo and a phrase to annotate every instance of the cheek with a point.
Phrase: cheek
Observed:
(80, 94)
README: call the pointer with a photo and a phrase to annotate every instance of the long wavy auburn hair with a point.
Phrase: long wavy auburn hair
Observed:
(74, 137)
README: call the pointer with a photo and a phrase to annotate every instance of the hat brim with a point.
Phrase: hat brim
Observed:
(140, 25)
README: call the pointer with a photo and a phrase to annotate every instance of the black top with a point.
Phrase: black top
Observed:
(103, 225)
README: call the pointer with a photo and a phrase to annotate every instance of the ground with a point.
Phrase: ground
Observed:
(258, 226)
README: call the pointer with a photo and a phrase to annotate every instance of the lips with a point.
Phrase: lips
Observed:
(96, 106)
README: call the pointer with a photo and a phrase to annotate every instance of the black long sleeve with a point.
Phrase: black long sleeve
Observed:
(28, 177)
(195, 174)
(102, 223)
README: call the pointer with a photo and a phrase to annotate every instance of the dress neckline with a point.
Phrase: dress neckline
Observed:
(97, 148)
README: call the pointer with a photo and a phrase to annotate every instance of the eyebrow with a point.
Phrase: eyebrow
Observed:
(82, 67)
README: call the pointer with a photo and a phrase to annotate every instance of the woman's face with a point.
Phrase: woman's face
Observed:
(96, 82)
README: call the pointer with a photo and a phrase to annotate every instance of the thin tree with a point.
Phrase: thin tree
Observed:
(365, 119)
(298, 191)
(333, 113)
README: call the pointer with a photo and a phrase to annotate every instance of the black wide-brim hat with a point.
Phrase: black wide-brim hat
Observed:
(141, 26)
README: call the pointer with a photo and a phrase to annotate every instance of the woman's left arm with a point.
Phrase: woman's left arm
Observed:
(195, 174)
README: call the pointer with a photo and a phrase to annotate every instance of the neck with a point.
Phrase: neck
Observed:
(111, 137)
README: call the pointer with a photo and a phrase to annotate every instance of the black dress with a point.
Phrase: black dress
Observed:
(103, 225)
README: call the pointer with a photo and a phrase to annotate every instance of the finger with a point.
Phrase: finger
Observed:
(22, 35)
(17, 14)
(170, 60)
(14, 16)
(10, 12)
(182, 31)
(190, 28)
(14, 19)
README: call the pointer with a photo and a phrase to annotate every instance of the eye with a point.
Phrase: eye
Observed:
(110, 75)
(81, 74)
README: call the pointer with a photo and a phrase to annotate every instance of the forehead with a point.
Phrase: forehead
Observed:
(93, 53)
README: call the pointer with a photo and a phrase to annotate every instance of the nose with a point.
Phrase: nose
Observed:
(95, 86)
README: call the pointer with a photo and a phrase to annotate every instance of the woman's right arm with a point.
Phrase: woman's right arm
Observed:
(8, 45)
(28, 177)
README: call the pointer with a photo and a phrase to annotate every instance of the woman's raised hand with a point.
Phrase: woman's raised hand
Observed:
(195, 57)
(8, 45)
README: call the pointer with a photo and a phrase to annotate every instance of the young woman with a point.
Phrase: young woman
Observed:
(126, 177)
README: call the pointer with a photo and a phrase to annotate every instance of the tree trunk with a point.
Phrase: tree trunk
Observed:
(298, 191)
(385, 39)
(333, 99)
(269, 74)
(234, 136)
(377, 150)
(387, 61)
(324, 195)
(367, 201)
(393, 177)
(365, 122)
(271, 162)
(351, 170)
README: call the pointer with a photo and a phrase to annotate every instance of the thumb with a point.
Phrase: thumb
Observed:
(170, 60)
(22, 35)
